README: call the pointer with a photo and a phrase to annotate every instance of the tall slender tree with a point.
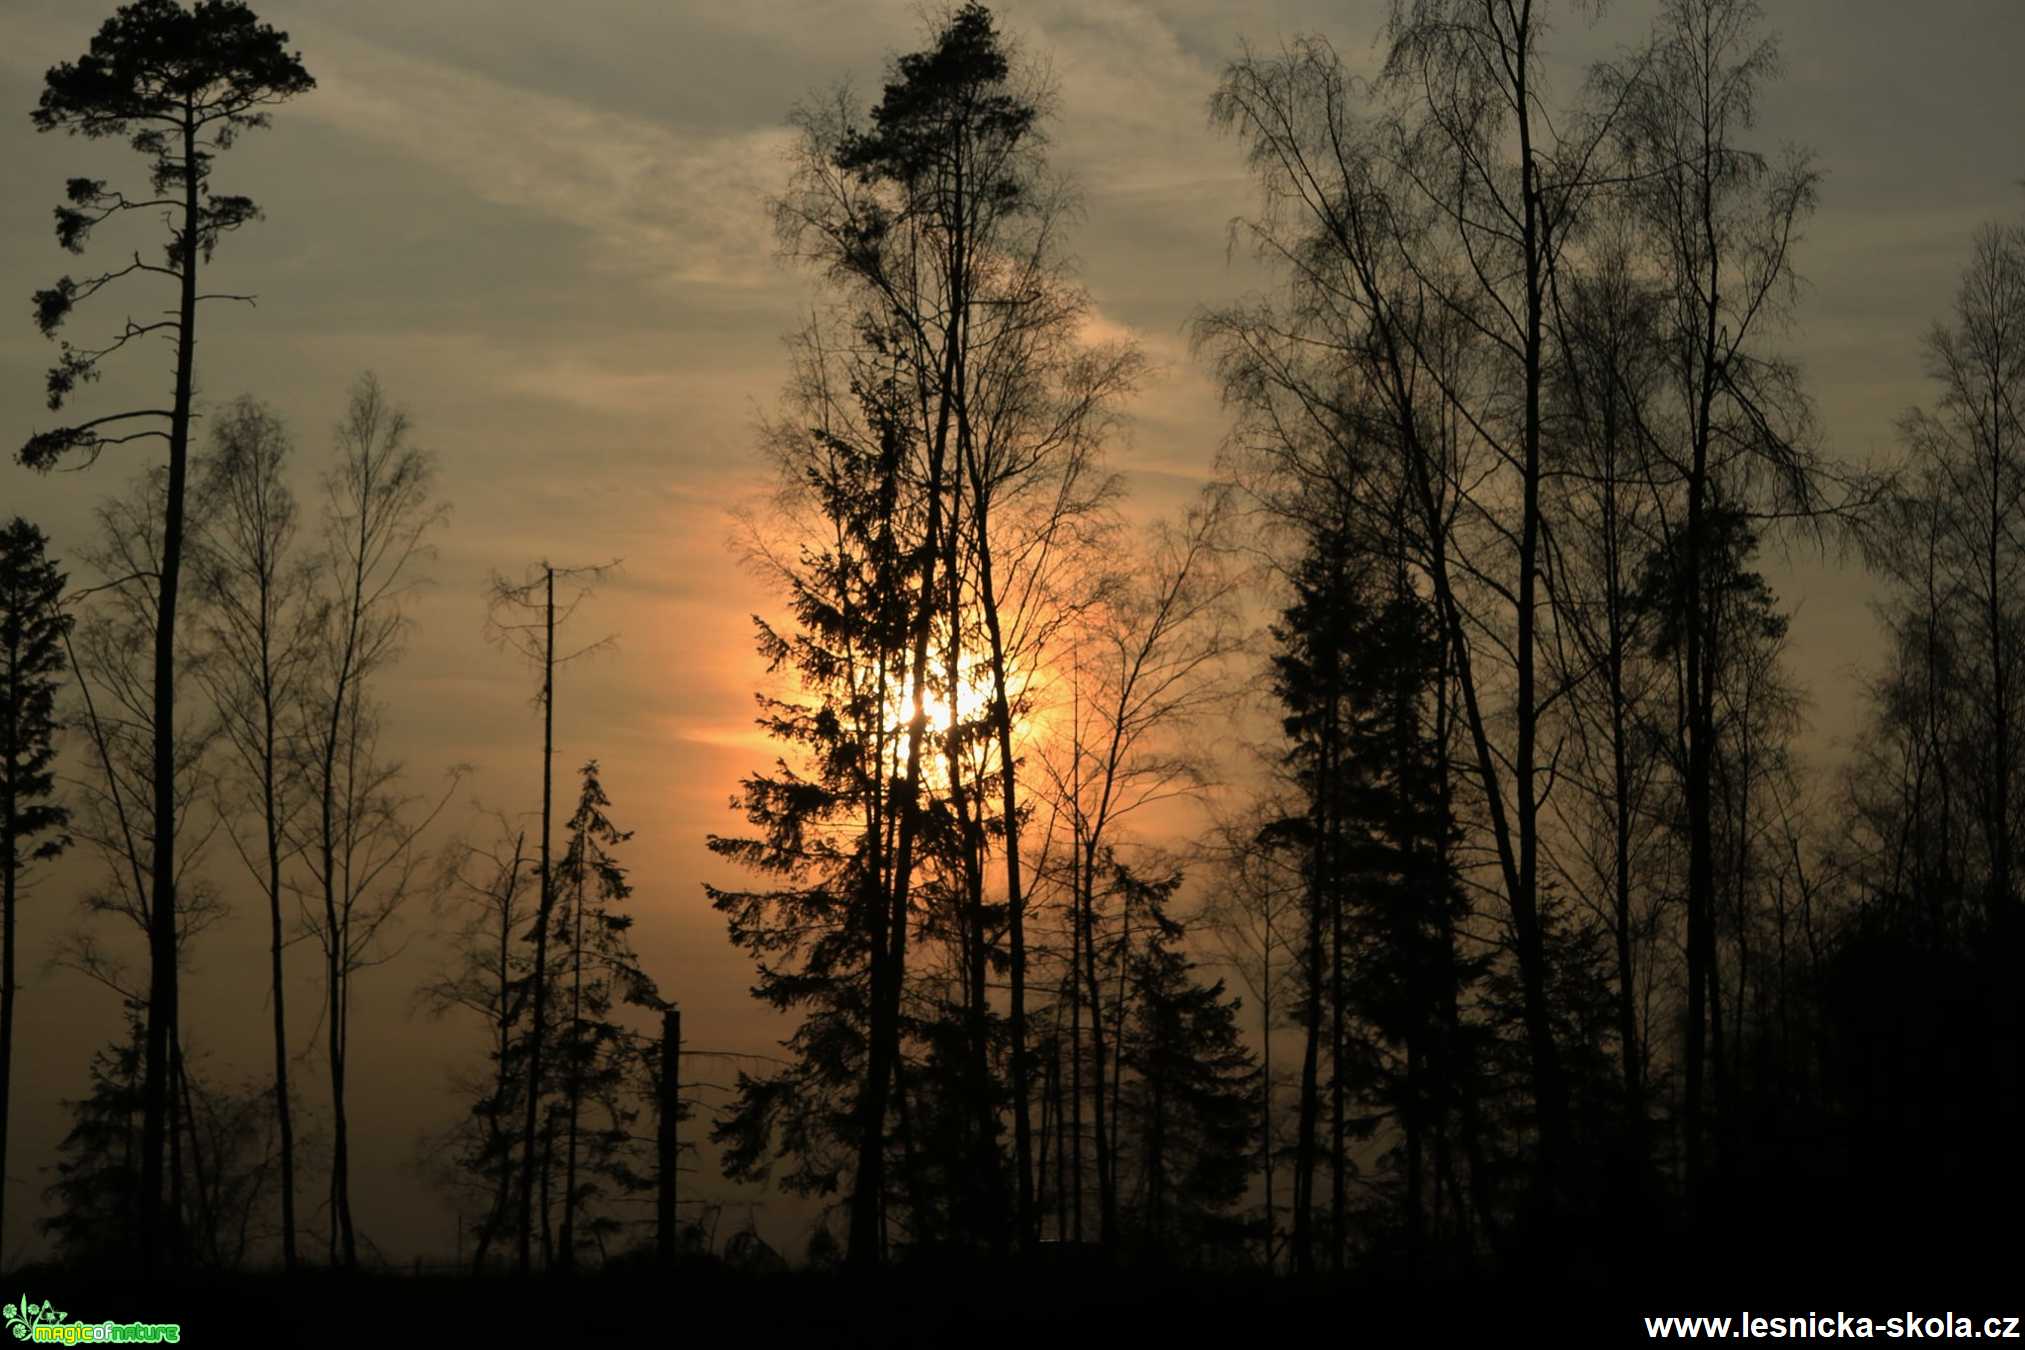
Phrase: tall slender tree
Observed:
(1968, 456)
(913, 212)
(1720, 220)
(488, 976)
(360, 843)
(180, 85)
(261, 615)
(33, 627)
(601, 1060)
(110, 652)
(523, 616)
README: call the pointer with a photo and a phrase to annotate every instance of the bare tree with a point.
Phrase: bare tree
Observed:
(1968, 452)
(1720, 223)
(1610, 497)
(360, 844)
(523, 616)
(107, 650)
(261, 618)
(1147, 663)
(1419, 262)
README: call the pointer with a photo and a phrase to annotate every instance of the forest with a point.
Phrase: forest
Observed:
(1386, 877)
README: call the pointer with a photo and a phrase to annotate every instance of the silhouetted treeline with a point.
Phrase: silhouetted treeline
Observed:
(1540, 895)
(1555, 954)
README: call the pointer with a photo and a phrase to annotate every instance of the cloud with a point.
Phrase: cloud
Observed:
(656, 201)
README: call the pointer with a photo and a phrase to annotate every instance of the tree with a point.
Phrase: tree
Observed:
(181, 85)
(488, 977)
(825, 826)
(1148, 662)
(1252, 915)
(1960, 568)
(600, 1061)
(110, 650)
(97, 1188)
(360, 844)
(1613, 494)
(1191, 1103)
(1030, 424)
(511, 620)
(918, 215)
(95, 1195)
(261, 617)
(1720, 221)
(33, 630)
(1419, 222)
(1311, 671)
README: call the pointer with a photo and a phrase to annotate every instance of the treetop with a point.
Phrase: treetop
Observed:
(156, 61)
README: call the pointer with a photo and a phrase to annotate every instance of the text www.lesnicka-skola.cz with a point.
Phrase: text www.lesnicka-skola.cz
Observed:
(1909, 1326)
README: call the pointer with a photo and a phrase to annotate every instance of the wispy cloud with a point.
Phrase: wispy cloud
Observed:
(655, 201)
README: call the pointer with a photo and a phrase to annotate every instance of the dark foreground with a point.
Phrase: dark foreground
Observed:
(1594, 1293)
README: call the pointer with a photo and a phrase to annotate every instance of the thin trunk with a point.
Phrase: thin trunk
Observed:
(1338, 1085)
(1703, 1003)
(10, 866)
(201, 1207)
(1107, 1162)
(1548, 1093)
(284, 1118)
(569, 1214)
(867, 1236)
(1023, 1161)
(1266, 1080)
(668, 1152)
(2000, 693)
(540, 974)
(162, 991)
(1306, 1145)
(1076, 1021)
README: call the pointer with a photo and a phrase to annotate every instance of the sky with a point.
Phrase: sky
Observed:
(544, 228)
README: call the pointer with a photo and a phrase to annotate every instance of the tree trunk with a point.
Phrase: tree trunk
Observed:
(544, 908)
(668, 1153)
(569, 1214)
(284, 1118)
(9, 867)
(1023, 1161)
(162, 992)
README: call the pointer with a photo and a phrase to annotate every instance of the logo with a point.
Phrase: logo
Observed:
(24, 1318)
(44, 1325)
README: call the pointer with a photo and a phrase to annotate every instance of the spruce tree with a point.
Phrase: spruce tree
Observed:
(33, 629)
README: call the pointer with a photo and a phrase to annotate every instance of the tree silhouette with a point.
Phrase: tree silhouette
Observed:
(601, 1064)
(262, 616)
(523, 616)
(915, 214)
(181, 85)
(33, 627)
(359, 843)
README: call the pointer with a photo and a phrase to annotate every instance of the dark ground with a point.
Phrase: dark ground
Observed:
(1596, 1297)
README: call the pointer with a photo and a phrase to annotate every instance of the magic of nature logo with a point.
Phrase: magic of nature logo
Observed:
(44, 1325)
